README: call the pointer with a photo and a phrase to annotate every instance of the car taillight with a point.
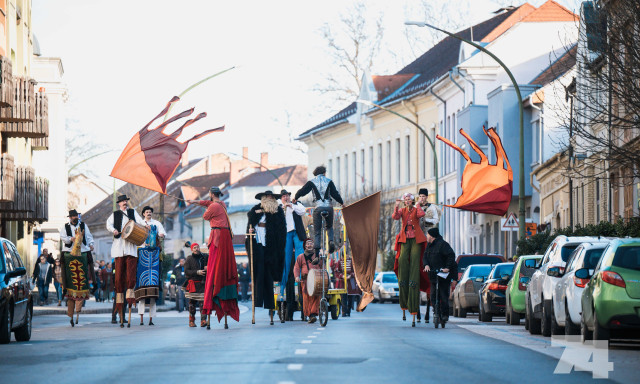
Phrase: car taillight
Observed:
(496, 287)
(580, 282)
(523, 281)
(468, 286)
(613, 278)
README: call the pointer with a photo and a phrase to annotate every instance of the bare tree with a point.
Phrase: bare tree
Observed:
(80, 147)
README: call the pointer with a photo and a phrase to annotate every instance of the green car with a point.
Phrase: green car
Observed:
(517, 287)
(611, 299)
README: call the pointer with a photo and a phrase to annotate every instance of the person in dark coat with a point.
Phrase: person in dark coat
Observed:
(268, 222)
(43, 274)
(195, 270)
(439, 256)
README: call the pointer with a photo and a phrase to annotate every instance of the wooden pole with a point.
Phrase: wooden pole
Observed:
(253, 303)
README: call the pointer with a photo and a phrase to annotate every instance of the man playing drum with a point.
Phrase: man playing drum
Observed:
(125, 254)
(148, 273)
(305, 263)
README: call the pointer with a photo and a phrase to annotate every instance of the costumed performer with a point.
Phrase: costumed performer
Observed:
(306, 262)
(148, 270)
(195, 269)
(337, 266)
(296, 234)
(440, 256)
(429, 220)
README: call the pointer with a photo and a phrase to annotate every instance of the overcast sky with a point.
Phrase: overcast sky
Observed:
(124, 60)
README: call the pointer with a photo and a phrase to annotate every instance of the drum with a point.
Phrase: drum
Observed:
(135, 233)
(314, 282)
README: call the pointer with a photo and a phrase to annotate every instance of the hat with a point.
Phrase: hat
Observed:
(267, 193)
(216, 190)
(73, 212)
(194, 245)
(147, 208)
(285, 192)
(423, 191)
(433, 232)
(122, 198)
(409, 195)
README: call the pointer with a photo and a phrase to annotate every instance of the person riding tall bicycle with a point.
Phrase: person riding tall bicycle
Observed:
(324, 190)
(439, 256)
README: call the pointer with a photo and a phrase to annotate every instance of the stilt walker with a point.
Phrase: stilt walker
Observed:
(253, 302)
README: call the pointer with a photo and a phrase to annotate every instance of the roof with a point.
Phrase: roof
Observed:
(386, 85)
(195, 187)
(515, 17)
(292, 175)
(550, 11)
(558, 68)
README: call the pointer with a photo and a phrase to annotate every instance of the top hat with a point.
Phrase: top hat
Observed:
(285, 192)
(73, 212)
(267, 193)
(216, 190)
(122, 198)
(423, 191)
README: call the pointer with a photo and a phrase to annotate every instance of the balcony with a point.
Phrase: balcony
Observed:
(29, 115)
(7, 178)
(31, 197)
(6, 84)
(41, 124)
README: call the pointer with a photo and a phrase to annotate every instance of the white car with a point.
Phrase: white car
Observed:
(540, 289)
(385, 287)
(567, 294)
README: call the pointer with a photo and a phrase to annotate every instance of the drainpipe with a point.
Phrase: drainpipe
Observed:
(473, 86)
(464, 94)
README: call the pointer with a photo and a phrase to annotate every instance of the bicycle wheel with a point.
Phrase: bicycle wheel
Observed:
(323, 312)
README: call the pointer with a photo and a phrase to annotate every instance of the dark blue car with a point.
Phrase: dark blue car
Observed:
(16, 304)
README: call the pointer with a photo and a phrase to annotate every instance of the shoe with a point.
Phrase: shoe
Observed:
(141, 323)
(113, 321)
(332, 247)
(151, 322)
(203, 323)
(312, 319)
(59, 304)
(71, 321)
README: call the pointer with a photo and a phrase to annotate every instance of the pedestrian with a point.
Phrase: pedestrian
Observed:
(105, 279)
(347, 299)
(296, 234)
(323, 190)
(440, 256)
(178, 278)
(244, 277)
(148, 270)
(49, 257)
(411, 239)
(125, 253)
(429, 220)
(267, 220)
(221, 283)
(42, 275)
(306, 262)
(57, 280)
(195, 268)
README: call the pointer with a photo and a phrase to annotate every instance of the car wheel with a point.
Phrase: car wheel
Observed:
(335, 312)
(569, 327)
(513, 318)
(555, 328)
(24, 332)
(546, 318)
(5, 325)
(534, 324)
(585, 333)
(462, 312)
(599, 332)
(484, 317)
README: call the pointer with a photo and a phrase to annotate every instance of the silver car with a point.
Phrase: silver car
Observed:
(465, 294)
(385, 287)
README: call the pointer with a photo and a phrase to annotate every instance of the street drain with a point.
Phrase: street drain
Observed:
(320, 360)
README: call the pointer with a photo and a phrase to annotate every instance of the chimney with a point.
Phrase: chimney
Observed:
(245, 152)
(264, 159)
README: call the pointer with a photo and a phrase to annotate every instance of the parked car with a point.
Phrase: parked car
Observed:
(169, 290)
(517, 287)
(567, 294)
(492, 292)
(385, 287)
(16, 302)
(611, 298)
(465, 294)
(540, 288)
(464, 261)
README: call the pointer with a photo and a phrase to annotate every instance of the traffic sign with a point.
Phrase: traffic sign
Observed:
(510, 223)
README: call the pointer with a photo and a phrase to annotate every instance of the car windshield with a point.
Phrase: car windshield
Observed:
(389, 278)
(501, 270)
(479, 270)
(466, 261)
(591, 258)
(627, 257)
(567, 250)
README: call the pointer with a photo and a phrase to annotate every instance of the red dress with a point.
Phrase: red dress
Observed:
(221, 286)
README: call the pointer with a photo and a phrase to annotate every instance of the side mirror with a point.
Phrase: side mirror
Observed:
(583, 273)
(505, 276)
(530, 263)
(554, 272)
(15, 273)
(479, 279)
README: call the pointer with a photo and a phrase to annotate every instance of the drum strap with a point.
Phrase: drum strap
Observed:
(117, 220)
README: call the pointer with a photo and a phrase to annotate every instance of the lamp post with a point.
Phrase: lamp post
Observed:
(521, 213)
(433, 146)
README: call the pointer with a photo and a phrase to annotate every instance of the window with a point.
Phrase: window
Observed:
(389, 164)
(17, 261)
(453, 135)
(422, 160)
(346, 173)
(449, 155)
(597, 201)
(398, 161)
(380, 165)
(7, 258)
(408, 160)
(355, 173)
(329, 168)
(371, 167)
(362, 169)
(337, 183)
(443, 147)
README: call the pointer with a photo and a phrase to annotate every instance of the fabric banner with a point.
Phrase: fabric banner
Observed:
(76, 276)
(148, 273)
(362, 220)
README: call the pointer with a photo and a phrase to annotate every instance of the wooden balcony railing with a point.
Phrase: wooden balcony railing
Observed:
(31, 116)
(41, 124)
(24, 194)
(6, 83)
(41, 213)
(7, 178)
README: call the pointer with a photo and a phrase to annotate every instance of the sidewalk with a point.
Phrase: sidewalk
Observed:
(91, 307)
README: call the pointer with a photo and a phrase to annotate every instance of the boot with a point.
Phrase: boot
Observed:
(59, 303)
(332, 247)
(203, 320)
(192, 320)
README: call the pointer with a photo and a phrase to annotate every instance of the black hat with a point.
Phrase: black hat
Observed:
(285, 192)
(122, 198)
(433, 232)
(423, 191)
(267, 193)
(215, 190)
(73, 212)
(147, 208)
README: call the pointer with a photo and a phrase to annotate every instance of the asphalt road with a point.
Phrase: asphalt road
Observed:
(371, 347)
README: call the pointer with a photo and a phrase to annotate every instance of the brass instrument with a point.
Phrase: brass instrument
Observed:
(77, 243)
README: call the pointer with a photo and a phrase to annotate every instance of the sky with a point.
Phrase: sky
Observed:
(124, 60)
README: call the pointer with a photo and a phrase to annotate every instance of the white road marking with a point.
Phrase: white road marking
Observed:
(301, 351)
(286, 382)
(294, 367)
(311, 337)
(306, 341)
(316, 333)
(320, 329)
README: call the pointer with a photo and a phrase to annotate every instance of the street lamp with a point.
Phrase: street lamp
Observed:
(521, 213)
(433, 146)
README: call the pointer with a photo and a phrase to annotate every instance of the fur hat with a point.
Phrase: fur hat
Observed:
(423, 191)
(434, 232)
